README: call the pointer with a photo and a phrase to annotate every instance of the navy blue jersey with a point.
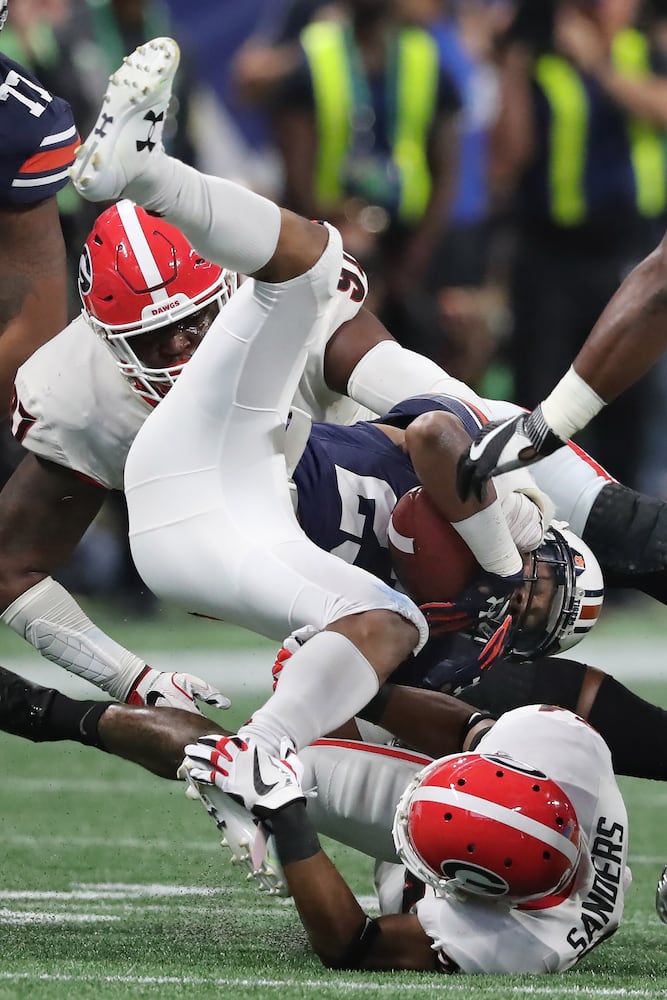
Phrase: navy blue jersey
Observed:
(349, 479)
(38, 138)
(348, 482)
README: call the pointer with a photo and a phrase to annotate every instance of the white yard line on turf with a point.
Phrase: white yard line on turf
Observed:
(362, 985)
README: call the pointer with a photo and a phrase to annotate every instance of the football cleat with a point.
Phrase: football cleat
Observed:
(661, 896)
(247, 840)
(130, 124)
(23, 706)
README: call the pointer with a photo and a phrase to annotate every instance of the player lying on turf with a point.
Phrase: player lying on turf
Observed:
(516, 853)
(579, 899)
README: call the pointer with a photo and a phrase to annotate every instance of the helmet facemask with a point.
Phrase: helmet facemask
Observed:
(558, 604)
(149, 295)
(132, 348)
(561, 599)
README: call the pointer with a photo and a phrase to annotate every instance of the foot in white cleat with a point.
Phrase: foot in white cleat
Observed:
(129, 126)
(248, 841)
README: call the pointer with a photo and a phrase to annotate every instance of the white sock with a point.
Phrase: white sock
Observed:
(226, 223)
(488, 536)
(321, 686)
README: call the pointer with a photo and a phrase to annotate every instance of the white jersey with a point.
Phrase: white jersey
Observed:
(359, 785)
(75, 408)
(492, 938)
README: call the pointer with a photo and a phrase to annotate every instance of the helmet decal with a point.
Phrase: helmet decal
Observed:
(475, 879)
(85, 278)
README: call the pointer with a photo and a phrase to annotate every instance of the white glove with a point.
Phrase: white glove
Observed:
(262, 783)
(292, 644)
(176, 690)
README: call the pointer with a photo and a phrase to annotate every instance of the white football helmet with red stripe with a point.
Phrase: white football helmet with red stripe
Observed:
(138, 274)
(488, 826)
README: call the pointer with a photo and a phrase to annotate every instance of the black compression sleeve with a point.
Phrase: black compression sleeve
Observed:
(635, 731)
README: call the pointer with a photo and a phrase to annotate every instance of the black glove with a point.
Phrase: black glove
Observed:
(465, 661)
(485, 600)
(503, 445)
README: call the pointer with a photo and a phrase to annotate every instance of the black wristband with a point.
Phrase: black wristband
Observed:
(296, 839)
(374, 710)
(471, 722)
(359, 946)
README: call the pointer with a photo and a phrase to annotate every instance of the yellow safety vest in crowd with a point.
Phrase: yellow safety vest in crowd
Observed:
(416, 82)
(568, 99)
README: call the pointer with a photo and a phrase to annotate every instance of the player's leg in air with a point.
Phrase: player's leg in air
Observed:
(211, 521)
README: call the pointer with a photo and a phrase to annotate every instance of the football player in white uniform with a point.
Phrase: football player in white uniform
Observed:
(151, 298)
(516, 850)
(211, 525)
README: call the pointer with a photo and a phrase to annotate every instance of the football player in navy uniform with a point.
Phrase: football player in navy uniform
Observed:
(38, 139)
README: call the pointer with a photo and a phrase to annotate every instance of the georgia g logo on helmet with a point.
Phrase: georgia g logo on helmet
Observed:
(474, 878)
(85, 278)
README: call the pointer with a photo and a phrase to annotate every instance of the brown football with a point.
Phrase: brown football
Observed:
(430, 558)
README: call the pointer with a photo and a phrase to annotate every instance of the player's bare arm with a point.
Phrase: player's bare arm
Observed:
(270, 787)
(44, 511)
(338, 929)
(626, 341)
(33, 299)
(631, 333)
(351, 341)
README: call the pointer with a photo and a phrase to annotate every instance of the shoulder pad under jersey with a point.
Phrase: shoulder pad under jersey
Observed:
(73, 407)
(38, 137)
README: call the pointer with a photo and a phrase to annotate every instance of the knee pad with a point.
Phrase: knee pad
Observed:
(627, 531)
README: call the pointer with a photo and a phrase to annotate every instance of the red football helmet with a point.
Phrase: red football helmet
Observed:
(138, 274)
(490, 826)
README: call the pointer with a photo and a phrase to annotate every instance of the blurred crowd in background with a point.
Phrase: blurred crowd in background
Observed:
(497, 166)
